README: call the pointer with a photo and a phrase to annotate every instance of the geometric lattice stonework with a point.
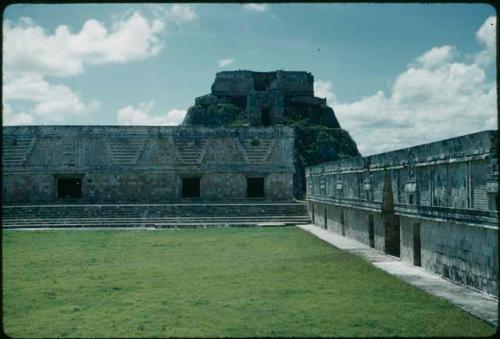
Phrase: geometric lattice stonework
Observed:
(125, 151)
(15, 152)
(258, 150)
(233, 152)
(190, 151)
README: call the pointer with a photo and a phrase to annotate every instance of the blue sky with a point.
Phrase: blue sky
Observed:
(395, 74)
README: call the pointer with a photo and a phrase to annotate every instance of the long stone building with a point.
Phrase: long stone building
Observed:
(138, 164)
(432, 205)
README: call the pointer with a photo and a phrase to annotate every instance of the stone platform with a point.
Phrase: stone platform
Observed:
(154, 215)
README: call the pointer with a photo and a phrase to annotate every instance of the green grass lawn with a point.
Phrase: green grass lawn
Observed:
(209, 282)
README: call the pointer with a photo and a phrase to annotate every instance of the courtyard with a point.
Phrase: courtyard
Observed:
(220, 282)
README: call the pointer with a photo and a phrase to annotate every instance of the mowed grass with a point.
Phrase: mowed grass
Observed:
(209, 283)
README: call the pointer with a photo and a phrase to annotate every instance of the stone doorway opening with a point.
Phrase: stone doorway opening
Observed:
(190, 187)
(326, 218)
(371, 231)
(342, 222)
(265, 117)
(255, 188)
(392, 237)
(417, 245)
(391, 220)
(69, 188)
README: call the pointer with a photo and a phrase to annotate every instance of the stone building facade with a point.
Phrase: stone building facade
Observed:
(140, 164)
(263, 99)
(432, 205)
(278, 98)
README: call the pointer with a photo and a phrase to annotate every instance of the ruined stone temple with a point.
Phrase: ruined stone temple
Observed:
(258, 99)
(261, 149)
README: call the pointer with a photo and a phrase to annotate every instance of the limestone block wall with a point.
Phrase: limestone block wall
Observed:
(241, 83)
(432, 205)
(464, 253)
(144, 164)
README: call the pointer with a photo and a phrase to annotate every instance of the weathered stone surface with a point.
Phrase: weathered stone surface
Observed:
(137, 164)
(438, 188)
(206, 100)
(245, 98)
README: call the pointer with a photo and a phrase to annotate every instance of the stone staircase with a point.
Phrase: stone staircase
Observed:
(125, 151)
(155, 215)
(258, 152)
(15, 152)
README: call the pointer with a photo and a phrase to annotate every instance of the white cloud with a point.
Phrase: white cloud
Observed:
(487, 33)
(52, 103)
(436, 97)
(140, 115)
(324, 89)
(182, 13)
(486, 36)
(436, 56)
(225, 62)
(256, 7)
(29, 48)
(9, 118)
(31, 53)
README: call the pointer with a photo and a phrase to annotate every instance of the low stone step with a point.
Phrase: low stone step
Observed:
(273, 217)
(155, 222)
(155, 211)
(117, 222)
(156, 225)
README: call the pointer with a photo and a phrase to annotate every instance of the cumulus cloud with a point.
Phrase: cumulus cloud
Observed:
(436, 56)
(486, 36)
(140, 115)
(436, 97)
(324, 89)
(181, 13)
(256, 7)
(225, 62)
(29, 48)
(10, 118)
(31, 54)
(52, 103)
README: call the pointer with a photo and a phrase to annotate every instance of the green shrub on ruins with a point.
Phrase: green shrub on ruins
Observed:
(319, 144)
(222, 114)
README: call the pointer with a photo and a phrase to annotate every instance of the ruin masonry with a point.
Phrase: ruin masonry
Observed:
(432, 205)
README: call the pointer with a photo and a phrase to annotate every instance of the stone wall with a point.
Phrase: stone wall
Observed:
(432, 205)
(247, 98)
(138, 164)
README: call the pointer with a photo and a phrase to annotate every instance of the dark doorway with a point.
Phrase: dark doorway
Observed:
(391, 220)
(69, 188)
(255, 187)
(392, 236)
(417, 258)
(265, 117)
(371, 231)
(312, 212)
(190, 187)
(342, 222)
(326, 218)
